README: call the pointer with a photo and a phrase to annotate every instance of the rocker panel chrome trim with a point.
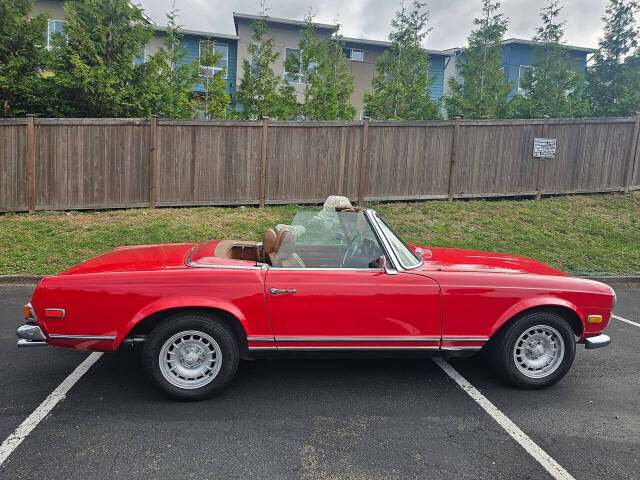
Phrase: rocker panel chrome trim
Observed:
(357, 339)
(82, 337)
(465, 339)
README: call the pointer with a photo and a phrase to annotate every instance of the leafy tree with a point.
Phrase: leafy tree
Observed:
(177, 77)
(630, 99)
(328, 84)
(402, 88)
(553, 86)
(215, 101)
(94, 70)
(608, 76)
(261, 92)
(483, 91)
(22, 58)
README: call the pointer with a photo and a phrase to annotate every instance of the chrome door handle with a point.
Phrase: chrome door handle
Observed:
(275, 291)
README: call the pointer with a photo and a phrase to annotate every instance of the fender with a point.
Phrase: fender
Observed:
(167, 303)
(542, 301)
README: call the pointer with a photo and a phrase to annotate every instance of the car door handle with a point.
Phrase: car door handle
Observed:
(275, 291)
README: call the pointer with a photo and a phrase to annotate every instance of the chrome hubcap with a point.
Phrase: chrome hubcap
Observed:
(190, 359)
(539, 351)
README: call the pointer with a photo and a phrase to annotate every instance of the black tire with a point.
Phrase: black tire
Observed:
(503, 345)
(198, 322)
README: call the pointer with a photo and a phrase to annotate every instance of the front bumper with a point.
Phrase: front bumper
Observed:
(30, 336)
(599, 341)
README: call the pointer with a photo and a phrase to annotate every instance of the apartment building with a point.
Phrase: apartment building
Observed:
(361, 54)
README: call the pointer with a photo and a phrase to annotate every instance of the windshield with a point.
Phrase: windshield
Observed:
(408, 258)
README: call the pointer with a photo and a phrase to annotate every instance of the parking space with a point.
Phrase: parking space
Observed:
(322, 419)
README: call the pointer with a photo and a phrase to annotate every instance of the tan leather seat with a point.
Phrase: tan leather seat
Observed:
(285, 255)
(268, 244)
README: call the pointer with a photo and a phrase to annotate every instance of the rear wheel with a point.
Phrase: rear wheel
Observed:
(191, 356)
(535, 351)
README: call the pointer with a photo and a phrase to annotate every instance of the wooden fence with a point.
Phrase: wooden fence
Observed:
(64, 164)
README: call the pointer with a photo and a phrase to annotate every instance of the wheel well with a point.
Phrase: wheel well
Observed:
(569, 315)
(147, 324)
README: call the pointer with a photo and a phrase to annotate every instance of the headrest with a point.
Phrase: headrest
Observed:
(269, 241)
(285, 243)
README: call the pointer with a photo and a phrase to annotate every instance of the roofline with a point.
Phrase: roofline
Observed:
(523, 41)
(534, 42)
(160, 28)
(383, 43)
(285, 21)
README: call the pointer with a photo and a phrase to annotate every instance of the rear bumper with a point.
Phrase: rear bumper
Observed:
(599, 341)
(30, 336)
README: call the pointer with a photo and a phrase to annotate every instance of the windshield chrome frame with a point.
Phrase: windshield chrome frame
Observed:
(372, 216)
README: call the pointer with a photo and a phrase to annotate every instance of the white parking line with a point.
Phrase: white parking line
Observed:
(25, 428)
(549, 464)
(625, 320)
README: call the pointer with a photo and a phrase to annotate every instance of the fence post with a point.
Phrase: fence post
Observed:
(454, 153)
(363, 161)
(153, 143)
(633, 155)
(31, 163)
(545, 134)
(263, 159)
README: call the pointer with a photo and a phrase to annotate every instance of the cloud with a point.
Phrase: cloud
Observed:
(452, 20)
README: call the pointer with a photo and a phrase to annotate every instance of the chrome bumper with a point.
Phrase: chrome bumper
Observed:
(30, 336)
(599, 341)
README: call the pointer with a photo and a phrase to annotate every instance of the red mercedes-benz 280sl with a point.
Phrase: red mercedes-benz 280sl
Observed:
(337, 280)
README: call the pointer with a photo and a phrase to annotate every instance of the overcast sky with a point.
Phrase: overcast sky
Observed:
(451, 19)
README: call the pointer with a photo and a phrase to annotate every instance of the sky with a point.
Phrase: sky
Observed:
(451, 20)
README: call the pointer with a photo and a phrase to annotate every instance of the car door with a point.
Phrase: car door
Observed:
(352, 309)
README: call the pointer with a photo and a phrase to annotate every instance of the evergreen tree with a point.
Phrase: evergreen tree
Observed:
(22, 58)
(630, 99)
(483, 91)
(262, 93)
(215, 101)
(178, 77)
(553, 86)
(93, 67)
(327, 83)
(607, 77)
(402, 86)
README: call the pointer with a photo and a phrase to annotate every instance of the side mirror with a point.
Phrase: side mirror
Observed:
(339, 236)
(380, 262)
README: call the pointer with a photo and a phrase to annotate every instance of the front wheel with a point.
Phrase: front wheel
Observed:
(191, 356)
(535, 351)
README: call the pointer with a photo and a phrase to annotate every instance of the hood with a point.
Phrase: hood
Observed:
(461, 260)
(133, 258)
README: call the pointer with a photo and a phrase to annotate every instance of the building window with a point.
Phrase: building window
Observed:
(293, 70)
(54, 26)
(141, 57)
(354, 54)
(522, 72)
(207, 49)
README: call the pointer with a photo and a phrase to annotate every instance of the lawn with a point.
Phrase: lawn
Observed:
(583, 234)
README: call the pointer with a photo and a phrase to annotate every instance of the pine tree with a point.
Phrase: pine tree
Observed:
(261, 93)
(607, 76)
(93, 68)
(176, 98)
(215, 101)
(22, 59)
(402, 86)
(630, 99)
(483, 91)
(327, 83)
(553, 86)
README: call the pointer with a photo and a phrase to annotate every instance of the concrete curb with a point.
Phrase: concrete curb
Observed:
(33, 279)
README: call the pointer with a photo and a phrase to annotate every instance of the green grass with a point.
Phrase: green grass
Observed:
(586, 234)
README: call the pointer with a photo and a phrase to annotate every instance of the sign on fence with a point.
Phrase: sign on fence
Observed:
(544, 147)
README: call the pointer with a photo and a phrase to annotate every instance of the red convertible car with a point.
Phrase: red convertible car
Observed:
(339, 280)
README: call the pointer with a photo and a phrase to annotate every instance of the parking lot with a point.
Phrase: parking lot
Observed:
(322, 419)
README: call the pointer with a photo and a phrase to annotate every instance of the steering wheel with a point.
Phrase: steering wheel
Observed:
(352, 251)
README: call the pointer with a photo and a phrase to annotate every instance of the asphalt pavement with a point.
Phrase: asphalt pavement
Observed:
(321, 418)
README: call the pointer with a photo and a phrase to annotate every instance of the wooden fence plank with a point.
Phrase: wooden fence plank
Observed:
(452, 162)
(263, 159)
(153, 151)
(633, 155)
(363, 161)
(31, 163)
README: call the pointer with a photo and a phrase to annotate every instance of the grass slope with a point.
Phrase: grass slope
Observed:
(584, 234)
